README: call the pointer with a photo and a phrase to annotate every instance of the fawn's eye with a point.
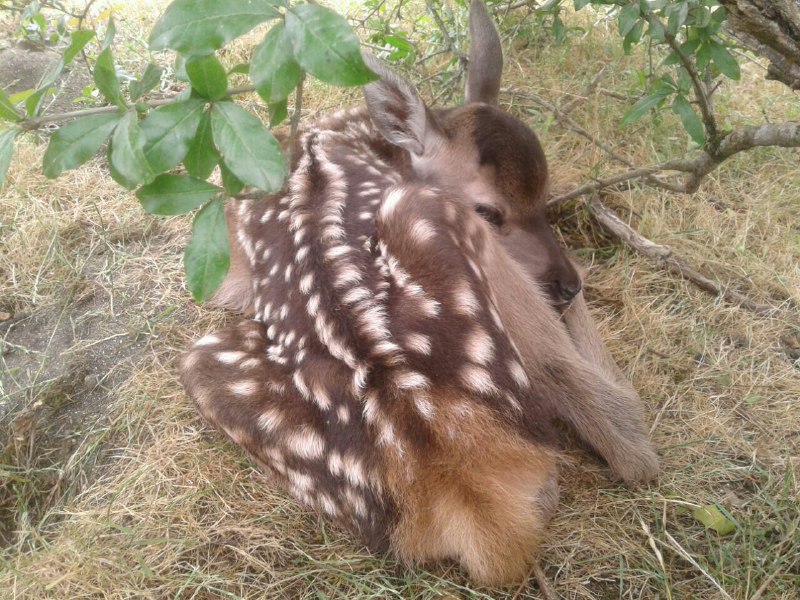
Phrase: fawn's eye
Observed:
(490, 214)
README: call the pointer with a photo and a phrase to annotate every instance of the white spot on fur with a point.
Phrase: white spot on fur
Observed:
(300, 384)
(480, 347)
(270, 420)
(465, 300)
(209, 340)
(424, 406)
(335, 464)
(478, 379)
(306, 443)
(244, 388)
(301, 255)
(371, 409)
(411, 380)
(354, 470)
(343, 413)
(230, 358)
(390, 202)
(300, 481)
(306, 282)
(418, 342)
(422, 231)
(337, 251)
(518, 373)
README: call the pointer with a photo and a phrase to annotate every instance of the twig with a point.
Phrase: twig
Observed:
(81, 20)
(663, 257)
(295, 122)
(572, 104)
(30, 124)
(600, 184)
(785, 135)
(543, 583)
(569, 124)
(700, 91)
(443, 28)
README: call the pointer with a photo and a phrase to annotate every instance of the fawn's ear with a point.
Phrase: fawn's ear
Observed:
(485, 57)
(397, 110)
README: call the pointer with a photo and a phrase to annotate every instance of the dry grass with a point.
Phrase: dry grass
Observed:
(120, 491)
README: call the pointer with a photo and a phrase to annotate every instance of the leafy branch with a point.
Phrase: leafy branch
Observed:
(200, 128)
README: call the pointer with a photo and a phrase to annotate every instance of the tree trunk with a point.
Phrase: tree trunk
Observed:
(771, 28)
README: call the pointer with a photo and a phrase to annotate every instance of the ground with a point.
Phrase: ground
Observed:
(111, 485)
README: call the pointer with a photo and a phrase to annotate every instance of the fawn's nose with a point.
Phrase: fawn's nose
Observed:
(567, 290)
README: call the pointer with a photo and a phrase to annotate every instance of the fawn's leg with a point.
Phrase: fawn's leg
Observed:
(461, 263)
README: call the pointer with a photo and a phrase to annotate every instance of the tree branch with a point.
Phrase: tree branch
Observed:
(31, 124)
(785, 135)
(664, 258)
(709, 122)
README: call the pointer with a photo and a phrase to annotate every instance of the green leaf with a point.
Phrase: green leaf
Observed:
(6, 150)
(248, 149)
(76, 142)
(677, 16)
(175, 194)
(127, 155)
(703, 56)
(325, 46)
(240, 69)
(402, 47)
(111, 32)
(78, 39)
(207, 257)
(7, 110)
(21, 96)
(207, 76)
(169, 131)
(149, 80)
(202, 26)
(713, 518)
(633, 37)
(202, 156)
(725, 61)
(116, 175)
(278, 113)
(105, 77)
(273, 69)
(559, 30)
(230, 182)
(579, 4)
(691, 122)
(638, 110)
(628, 17)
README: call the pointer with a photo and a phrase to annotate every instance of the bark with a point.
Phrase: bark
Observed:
(771, 28)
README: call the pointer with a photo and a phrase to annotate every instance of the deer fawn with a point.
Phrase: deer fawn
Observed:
(417, 331)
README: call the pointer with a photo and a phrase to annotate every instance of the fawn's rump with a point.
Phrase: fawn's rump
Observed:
(466, 488)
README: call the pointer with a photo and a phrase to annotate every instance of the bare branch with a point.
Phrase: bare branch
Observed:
(572, 104)
(31, 124)
(663, 257)
(785, 135)
(295, 122)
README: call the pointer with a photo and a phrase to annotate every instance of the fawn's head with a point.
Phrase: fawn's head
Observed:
(489, 158)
